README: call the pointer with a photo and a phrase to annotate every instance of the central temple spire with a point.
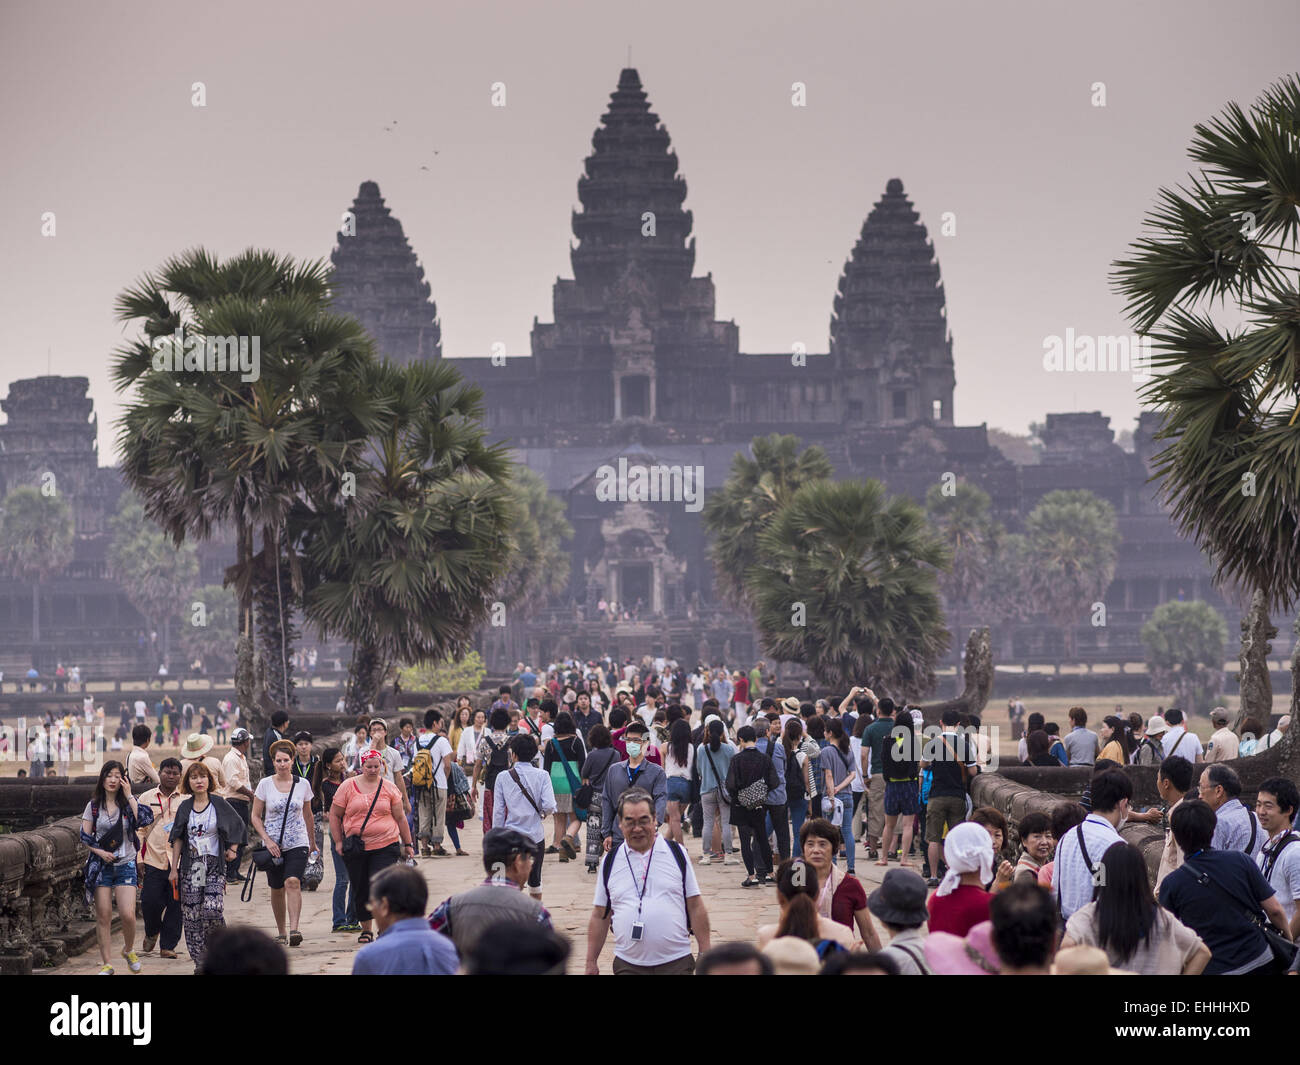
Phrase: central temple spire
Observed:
(632, 198)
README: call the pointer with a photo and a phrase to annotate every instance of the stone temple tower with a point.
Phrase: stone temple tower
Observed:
(379, 280)
(889, 330)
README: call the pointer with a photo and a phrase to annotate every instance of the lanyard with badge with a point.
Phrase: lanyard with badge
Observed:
(638, 928)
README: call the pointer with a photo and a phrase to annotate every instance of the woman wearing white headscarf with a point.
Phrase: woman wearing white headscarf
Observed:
(960, 903)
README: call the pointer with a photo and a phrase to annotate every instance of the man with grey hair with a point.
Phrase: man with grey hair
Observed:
(1236, 828)
(1224, 743)
(648, 894)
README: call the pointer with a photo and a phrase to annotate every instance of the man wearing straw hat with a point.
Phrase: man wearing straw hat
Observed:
(195, 749)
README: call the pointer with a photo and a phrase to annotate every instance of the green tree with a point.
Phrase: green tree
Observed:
(214, 640)
(1072, 542)
(539, 566)
(963, 519)
(1213, 283)
(846, 583)
(211, 451)
(156, 574)
(404, 569)
(38, 542)
(461, 675)
(1185, 645)
(759, 485)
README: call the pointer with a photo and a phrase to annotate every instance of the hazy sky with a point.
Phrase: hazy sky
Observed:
(984, 110)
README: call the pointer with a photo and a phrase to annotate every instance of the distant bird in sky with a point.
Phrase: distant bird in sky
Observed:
(389, 129)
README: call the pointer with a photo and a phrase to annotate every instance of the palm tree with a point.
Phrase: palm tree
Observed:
(756, 489)
(406, 569)
(963, 521)
(38, 541)
(1214, 285)
(157, 575)
(1073, 543)
(208, 452)
(847, 583)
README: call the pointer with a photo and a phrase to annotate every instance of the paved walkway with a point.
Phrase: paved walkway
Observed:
(734, 912)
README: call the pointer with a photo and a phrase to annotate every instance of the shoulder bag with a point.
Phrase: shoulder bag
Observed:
(722, 792)
(354, 846)
(262, 856)
(1283, 949)
(579, 809)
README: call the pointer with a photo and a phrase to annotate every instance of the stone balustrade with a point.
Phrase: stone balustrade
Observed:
(43, 915)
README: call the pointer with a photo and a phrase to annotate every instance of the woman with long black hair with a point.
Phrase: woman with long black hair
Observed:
(109, 825)
(1124, 919)
(679, 760)
(902, 787)
(331, 771)
(713, 757)
(1117, 743)
(837, 767)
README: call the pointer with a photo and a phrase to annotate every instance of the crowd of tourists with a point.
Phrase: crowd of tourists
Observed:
(643, 787)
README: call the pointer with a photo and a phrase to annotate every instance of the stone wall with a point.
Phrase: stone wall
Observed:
(1014, 800)
(43, 915)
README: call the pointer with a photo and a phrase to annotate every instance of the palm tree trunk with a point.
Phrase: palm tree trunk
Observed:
(275, 627)
(36, 613)
(364, 678)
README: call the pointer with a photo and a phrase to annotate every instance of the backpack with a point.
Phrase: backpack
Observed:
(795, 788)
(423, 771)
(499, 760)
(678, 853)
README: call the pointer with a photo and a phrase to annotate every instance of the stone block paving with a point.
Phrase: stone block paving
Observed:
(735, 913)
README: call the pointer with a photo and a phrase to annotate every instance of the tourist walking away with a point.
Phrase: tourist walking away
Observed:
(159, 905)
(601, 758)
(802, 758)
(901, 791)
(899, 904)
(796, 898)
(1224, 898)
(493, 757)
(429, 778)
(508, 858)
(1081, 744)
(139, 767)
(563, 758)
(406, 946)
(679, 763)
(950, 759)
(1173, 782)
(838, 776)
(370, 832)
(239, 791)
(283, 819)
(751, 777)
(647, 893)
(874, 739)
(777, 811)
(110, 825)
(203, 839)
(1078, 854)
(1136, 932)
(1178, 740)
(522, 801)
(1279, 861)
(841, 896)
(331, 771)
(713, 759)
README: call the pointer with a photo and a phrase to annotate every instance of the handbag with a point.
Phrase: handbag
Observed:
(579, 810)
(354, 846)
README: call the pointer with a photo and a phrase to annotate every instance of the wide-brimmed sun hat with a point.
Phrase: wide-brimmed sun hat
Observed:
(196, 746)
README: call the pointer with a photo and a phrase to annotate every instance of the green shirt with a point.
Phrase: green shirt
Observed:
(755, 684)
(874, 737)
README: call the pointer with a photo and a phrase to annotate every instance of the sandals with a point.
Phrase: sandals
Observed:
(282, 940)
(462, 854)
(750, 881)
(365, 938)
(295, 938)
(567, 848)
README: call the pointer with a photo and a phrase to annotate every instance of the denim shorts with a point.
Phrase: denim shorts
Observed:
(679, 789)
(118, 874)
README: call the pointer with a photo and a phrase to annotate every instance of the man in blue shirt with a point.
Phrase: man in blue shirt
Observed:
(406, 945)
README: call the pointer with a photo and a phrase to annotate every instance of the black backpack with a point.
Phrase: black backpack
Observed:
(497, 762)
(795, 789)
(675, 849)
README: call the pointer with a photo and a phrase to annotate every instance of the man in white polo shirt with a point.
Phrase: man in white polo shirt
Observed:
(648, 892)
(1079, 851)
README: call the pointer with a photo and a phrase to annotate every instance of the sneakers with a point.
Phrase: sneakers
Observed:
(132, 960)
(706, 859)
(105, 970)
(147, 946)
(439, 852)
(426, 851)
(932, 882)
(730, 859)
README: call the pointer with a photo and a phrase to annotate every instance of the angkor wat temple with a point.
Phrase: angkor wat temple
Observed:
(664, 384)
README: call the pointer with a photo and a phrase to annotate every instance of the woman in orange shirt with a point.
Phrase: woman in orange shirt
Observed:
(367, 814)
